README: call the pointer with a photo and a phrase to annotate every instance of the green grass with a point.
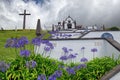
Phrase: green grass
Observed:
(8, 53)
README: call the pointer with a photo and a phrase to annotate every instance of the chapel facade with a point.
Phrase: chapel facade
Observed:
(67, 24)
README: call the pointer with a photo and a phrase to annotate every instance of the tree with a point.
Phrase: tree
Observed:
(114, 28)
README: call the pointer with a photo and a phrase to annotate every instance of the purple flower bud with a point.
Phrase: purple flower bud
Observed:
(65, 50)
(41, 77)
(58, 73)
(22, 41)
(50, 45)
(71, 56)
(31, 64)
(70, 70)
(76, 53)
(45, 41)
(63, 58)
(11, 43)
(70, 49)
(94, 50)
(3, 66)
(82, 48)
(81, 66)
(36, 41)
(84, 59)
(52, 77)
(46, 48)
(24, 53)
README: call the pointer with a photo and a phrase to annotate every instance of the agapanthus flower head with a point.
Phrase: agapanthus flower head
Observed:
(76, 53)
(82, 48)
(31, 64)
(22, 41)
(65, 50)
(71, 56)
(81, 66)
(70, 70)
(41, 77)
(84, 59)
(3, 66)
(63, 58)
(24, 53)
(94, 50)
(17, 42)
(52, 77)
(46, 48)
(45, 41)
(70, 49)
(50, 45)
(11, 42)
(36, 41)
(58, 73)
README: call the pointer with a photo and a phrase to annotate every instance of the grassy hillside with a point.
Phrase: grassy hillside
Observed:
(9, 53)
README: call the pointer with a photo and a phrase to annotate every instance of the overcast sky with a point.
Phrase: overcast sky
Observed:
(85, 12)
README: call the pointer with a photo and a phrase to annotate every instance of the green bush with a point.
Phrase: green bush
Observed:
(28, 66)
(114, 28)
(94, 70)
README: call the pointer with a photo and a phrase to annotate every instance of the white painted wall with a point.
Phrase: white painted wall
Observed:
(104, 48)
(116, 35)
(116, 77)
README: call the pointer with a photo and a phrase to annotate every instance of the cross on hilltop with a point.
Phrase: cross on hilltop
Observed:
(24, 18)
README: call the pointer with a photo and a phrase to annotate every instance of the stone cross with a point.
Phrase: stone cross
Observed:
(24, 18)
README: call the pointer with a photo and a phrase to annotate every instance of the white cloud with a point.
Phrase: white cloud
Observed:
(85, 12)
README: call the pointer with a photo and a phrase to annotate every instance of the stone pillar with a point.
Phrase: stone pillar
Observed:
(38, 28)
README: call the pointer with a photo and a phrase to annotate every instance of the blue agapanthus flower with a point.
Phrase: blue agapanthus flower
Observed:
(58, 73)
(94, 50)
(70, 49)
(84, 59)
(24, 53)
(81, 66)
(16, 42)
(82, 48)
(12, 42)
(37, 41)
(46, 48)
(41, 77)
(45, 41)
(65, 49)
(31, 64)
(52, 77)
(71, 56)
(3, 66)
(63, 58)
(70, 70)
(22, 41)
(50, 45)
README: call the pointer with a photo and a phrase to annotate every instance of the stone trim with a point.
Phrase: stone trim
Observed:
(104, 31)
(111, 73)
(114, 43)
(75, 39)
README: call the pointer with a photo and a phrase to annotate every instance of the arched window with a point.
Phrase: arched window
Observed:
(107, 35)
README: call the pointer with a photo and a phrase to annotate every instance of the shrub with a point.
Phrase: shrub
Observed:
(114, 28)
(28, 66)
